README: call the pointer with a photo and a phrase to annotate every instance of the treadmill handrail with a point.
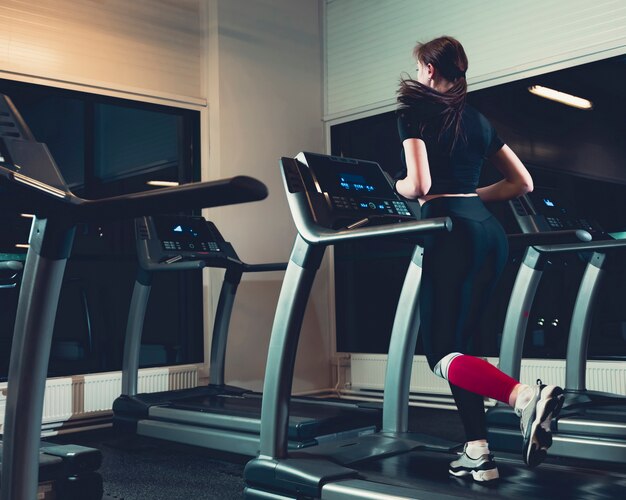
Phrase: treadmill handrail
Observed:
(238, 189)
(315, 234)
(185, 265)
(44, 202)
(190, 265)
(262, 268)
(599, 246)
(548, 238)
(324, 236)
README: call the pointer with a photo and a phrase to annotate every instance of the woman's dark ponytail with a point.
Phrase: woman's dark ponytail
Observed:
(447, 55)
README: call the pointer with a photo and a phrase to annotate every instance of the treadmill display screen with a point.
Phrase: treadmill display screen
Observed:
(548, 202)
(355, 183)
(348, 177)
(186, 234)
(355, 188)
(561, 214)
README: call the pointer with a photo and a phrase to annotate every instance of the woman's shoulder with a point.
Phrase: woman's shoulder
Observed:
(471, 111)
(423, 111)
(472, 115)
(480, 127)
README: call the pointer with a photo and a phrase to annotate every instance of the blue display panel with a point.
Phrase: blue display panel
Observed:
(348, 177)
(187, 235)
(355, 183)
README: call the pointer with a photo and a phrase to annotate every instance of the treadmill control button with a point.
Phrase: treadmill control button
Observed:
(401, 208)
(171, 245)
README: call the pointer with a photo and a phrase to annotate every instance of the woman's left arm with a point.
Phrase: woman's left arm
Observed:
(417, 182)
(517, 180)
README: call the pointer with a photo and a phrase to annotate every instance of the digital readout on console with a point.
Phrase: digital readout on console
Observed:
(353, 182)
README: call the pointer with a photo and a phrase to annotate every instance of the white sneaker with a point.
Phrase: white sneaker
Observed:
(535, 417)
(482, 468)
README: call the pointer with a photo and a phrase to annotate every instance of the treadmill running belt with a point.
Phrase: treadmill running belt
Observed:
(307, 420)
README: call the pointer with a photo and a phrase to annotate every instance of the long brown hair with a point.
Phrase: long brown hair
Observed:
(448, 57)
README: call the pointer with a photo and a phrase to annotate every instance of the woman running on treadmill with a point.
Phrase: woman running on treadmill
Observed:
(445, 143)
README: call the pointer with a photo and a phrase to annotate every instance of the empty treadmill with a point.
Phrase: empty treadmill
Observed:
(592, 424)
(30, 182)
(216, 416)
(63, 471)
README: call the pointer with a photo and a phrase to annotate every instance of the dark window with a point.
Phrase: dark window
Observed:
(103, 147)
(130, 141)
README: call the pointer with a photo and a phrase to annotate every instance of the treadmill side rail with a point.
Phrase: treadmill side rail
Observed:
(401, 348)
(357, 488)
(294, 477)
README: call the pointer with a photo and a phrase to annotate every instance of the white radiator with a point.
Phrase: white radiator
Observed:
(86, 396)
(367, 372)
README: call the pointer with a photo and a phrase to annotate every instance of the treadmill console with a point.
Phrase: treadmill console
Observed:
(544, 210)
(188, 234)
(343, 191)
(175, 238)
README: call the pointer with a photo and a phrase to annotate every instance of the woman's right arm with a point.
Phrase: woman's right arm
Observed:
(417, 181)
(517, 180)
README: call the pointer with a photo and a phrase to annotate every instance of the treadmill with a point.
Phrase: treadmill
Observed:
(394, 463)
(64, 471)
(216, 416)
(592, 424)
(30, 182)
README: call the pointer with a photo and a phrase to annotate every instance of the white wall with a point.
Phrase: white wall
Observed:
(369, 43)
(265, 101)
(146, 48)
(253, 69)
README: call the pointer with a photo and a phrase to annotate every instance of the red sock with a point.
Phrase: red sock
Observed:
(479, 376)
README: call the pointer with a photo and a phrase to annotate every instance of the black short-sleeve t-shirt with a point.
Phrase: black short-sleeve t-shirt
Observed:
(456, 170)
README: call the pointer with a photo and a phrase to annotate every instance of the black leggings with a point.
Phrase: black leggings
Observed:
(460, 271)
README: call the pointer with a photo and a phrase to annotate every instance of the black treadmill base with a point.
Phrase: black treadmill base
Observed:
(308, 419)
(428, 472)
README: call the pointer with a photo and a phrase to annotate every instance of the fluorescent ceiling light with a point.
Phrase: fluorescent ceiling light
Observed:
(22, 245)
(27, 216)
(163, 183)
(562, 97)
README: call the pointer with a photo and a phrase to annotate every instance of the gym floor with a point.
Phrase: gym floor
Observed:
(140, 468)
